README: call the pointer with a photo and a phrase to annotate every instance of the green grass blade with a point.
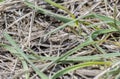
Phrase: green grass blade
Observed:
(70, 23)
(102, 31)
(61, 27)
(14, 52)
(25, 66)
(101, 17)
(22, 54)
(89, 41)
(1, 0)
(104, 19)
(60, 7)
(63, 8)
(75, 67)
(70, 59)
(46, 12)
(77, 59)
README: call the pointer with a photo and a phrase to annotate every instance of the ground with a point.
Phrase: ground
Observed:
(75, 39)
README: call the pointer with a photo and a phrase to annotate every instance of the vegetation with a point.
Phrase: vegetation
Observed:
(48, 40)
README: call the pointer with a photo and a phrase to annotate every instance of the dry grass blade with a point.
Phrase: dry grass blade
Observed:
(77, 31)
(46, 12)
(21, 53)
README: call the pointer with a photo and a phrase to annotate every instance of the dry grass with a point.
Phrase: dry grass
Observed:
(28, 27)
